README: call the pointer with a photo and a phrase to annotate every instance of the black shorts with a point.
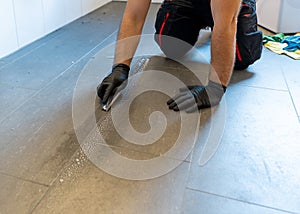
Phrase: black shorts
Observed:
(183, 19)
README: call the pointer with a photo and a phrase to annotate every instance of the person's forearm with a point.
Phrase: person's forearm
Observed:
(223, 39)
(223, 53)
(129, 34)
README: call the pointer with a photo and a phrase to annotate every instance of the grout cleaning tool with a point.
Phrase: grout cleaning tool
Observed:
(110, 101)
(138, 67)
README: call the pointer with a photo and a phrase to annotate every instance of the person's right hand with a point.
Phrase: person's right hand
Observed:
(110, 83)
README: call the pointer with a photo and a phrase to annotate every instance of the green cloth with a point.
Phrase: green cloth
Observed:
(276, 38)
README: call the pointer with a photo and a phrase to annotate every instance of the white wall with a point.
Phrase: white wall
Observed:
(280, 16)
(22, 22)
(8, 33)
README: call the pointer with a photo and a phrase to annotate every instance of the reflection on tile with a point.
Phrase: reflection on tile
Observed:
(198, 202)
(85, 188)
(18, 196)
(252, 164)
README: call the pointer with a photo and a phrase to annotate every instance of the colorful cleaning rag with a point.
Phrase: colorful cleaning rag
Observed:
(293, 43)
(281, 44)
(278, 48)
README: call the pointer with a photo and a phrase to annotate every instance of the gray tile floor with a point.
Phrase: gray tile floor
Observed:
(43, 169)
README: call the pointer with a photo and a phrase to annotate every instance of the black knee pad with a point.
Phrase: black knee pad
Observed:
(248, 38)
(172, 47)
(176, 28)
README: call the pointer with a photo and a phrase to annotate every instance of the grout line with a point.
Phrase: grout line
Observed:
(55, 179)
(258, 87)
(24, 179)
(148, 153)
(289, 91)
(34, 49)
(59, 75)
(25, 54)
(141, 152)
(76, 151)
(3, 84)
(186, 181)
(239, 200)
(70, 161)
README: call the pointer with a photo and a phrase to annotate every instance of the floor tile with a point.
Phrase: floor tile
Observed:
(34, 146)
(290, 70)
(13, 57)
(19, 196)
(255, 161)
(264, 73)
(140, 109)
(54, 89)
(11, 98)
(85, 188)
(2, 62)
(150, 20)
(39, 151)
(199, 202)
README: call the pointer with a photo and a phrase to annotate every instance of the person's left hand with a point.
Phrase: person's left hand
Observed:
(197, 97)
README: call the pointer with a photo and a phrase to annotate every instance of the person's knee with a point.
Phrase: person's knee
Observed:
(248, 49)
(172, 47)
(175, 33)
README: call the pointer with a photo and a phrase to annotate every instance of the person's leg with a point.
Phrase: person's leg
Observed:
(248, 38)
(176, 27)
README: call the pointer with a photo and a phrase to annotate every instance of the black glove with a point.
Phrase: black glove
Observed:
(197, 97)
(110, 83)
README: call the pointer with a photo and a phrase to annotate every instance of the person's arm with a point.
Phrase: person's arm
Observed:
(131, 26)
(225, 14)
(128, 38)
